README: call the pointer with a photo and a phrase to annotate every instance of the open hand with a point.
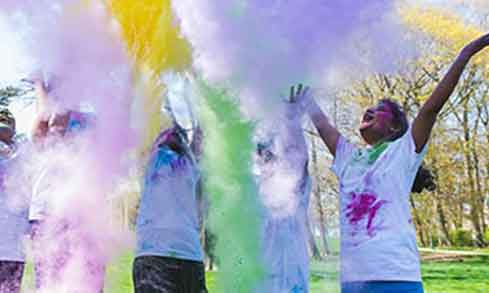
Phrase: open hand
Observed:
(298, 101)
(298, 94)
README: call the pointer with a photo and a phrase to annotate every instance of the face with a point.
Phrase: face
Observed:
(377, 123)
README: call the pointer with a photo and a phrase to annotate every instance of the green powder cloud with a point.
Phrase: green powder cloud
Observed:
(234, 214)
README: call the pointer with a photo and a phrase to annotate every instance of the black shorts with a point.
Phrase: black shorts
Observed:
(157, 274)
(11, 273)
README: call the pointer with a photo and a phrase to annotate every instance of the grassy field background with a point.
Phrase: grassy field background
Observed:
(452, 274)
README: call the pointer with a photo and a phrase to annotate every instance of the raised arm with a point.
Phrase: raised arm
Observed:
(423, 123)
(40, 127)
(196, 144)
(328, 133)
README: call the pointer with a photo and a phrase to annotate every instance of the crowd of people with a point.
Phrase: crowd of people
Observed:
(378, 237)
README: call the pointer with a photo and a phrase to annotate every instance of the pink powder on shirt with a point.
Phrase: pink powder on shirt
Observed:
(364, 206)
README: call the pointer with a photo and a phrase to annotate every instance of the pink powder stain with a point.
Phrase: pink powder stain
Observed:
(364, 206)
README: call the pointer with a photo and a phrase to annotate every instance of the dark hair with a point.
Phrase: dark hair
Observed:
(176, 129)
(424, 178)
(183, 141)
(6, 114)
(400, 120)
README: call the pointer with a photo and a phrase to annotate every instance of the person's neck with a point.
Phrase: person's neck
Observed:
(378, 143)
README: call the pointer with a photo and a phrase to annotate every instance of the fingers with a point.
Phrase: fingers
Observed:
(306, 91)
(299, 89)
(297, 94)
(28, 81)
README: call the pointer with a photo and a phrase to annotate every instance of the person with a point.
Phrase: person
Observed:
(58, 239)
(13, 211)
(284, 187)
(378, 239)
(169, 256)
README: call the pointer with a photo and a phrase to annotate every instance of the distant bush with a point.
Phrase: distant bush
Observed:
(486, 237)
(460, 237)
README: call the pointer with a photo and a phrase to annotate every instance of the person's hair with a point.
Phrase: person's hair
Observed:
(424, 178)
(6, 114)
(182, 140)
(182, 136)
(399, 119)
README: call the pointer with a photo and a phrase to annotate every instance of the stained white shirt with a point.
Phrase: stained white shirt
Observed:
(378, 238)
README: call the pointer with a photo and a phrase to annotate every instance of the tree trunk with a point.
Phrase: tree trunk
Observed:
(315, 253)
(439, 207)
(317, 194)
(474, 202)
(418, 222)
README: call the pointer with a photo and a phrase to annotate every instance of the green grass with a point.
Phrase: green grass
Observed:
(468, 276)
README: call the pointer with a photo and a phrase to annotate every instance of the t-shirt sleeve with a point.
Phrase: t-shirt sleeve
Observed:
(344, 152)
(412, 159)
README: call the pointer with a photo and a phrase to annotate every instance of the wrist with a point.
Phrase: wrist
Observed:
(312, 108)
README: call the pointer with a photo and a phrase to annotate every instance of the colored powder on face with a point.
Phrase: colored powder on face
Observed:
(234, 210)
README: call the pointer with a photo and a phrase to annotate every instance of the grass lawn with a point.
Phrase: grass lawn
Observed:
(471, 275)
(468, 275)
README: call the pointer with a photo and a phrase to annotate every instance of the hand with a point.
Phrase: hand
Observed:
(296, 104)
(302, 97)
(42, 82)
(34, 83)
(298, 95)
(477, 45)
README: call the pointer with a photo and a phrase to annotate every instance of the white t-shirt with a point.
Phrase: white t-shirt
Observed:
(378, 238)
(13, 215)
(46, 181)
(40, 194)
(54, 172)
(167, 223)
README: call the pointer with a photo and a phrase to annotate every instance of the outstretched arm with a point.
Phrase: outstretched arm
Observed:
(423, 123)
(40, 127)
(328, 133)
(196, 144)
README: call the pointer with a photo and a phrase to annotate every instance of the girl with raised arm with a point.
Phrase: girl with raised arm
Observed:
(378, 238)
(281, 169)
(58, 238)
(169, 256)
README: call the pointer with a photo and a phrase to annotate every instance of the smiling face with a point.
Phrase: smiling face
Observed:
(380, 123)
